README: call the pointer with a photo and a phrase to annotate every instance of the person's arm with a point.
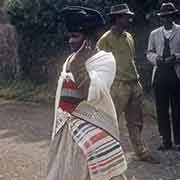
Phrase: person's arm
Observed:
(102, 44)
(177, 56)
(151, 54)
(82, 78)
(177, 51)
(102, 73)
(79, 71)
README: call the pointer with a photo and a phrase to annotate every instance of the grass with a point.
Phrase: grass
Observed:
(26, 90)
(149, 107)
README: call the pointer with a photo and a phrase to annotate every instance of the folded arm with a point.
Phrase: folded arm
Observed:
(151, 54)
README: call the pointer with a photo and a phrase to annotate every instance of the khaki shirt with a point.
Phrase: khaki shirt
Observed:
(122, 47)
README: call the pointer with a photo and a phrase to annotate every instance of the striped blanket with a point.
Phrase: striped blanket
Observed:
(105, 157)
(93, 123)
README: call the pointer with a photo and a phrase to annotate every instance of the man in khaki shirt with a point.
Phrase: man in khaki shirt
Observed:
(126, 91)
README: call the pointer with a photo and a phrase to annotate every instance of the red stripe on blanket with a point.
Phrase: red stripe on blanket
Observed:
(106, 162)
(70, 85)
(95, 138)
(69, 107)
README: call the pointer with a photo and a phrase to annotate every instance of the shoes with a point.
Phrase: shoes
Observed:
(149, 159)
(165, 147)
(177, 147)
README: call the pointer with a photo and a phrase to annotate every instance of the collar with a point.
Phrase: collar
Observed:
(168, 33)
(173, 27)
(118, 34)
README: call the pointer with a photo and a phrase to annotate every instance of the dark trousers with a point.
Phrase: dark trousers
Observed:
(167, 90)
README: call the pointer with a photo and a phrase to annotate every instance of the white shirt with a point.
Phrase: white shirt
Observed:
(167, 33)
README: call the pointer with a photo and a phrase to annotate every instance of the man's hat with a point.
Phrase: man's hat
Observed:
(120, 9)
(167, 9)
(79, 18)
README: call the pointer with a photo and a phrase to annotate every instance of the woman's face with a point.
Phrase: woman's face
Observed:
(75, 40)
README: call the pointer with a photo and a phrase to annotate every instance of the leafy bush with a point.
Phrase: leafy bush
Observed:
(32, 15)
(41, 34)
(26, 90)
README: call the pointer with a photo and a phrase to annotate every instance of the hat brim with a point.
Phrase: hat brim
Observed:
(167, 13)
(121, 13)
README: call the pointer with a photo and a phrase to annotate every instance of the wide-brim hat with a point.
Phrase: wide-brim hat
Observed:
(120, 9)
(167, 9)
(78, 18)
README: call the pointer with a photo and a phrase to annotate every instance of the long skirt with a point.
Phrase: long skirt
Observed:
(67, 161)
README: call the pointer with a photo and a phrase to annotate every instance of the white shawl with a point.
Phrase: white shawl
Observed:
(101, 69)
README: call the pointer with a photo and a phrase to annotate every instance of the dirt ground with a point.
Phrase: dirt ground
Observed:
(25, 130)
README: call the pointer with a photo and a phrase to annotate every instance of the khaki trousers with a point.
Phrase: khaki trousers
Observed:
(127, 96)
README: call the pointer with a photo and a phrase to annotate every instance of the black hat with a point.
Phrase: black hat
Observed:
(167, 9)
(78, 19)
(121, 9)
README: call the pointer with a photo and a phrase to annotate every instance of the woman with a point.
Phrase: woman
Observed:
(85, 139)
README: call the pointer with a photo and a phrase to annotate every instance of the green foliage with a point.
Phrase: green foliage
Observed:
(16, 89)
(42, 15)
(149, 107)
(37, 16)
(31, 15)
(26, 90)
(42, 35)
